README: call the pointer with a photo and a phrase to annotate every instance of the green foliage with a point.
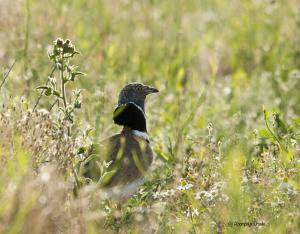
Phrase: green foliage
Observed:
(61, 54)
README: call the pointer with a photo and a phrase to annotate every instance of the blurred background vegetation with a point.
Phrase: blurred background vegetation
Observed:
(226, 117)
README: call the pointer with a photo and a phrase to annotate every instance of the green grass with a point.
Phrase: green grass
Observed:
(224, 127)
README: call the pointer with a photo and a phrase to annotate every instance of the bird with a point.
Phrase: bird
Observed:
(122, 160)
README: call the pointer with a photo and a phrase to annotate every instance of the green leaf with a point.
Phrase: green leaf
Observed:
(94, 148)
(75, 52)
(74, 74)
(48, 91)
(42, 87)
(77, 104)
(289, 155)
(56, 93)
(106, 177)
(82, 150)
(263, 132)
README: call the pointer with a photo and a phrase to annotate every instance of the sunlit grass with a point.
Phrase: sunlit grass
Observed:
(224, 126)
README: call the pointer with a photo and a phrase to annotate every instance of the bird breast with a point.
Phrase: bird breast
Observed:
(129, 154)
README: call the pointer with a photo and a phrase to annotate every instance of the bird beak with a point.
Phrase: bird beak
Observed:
(151, 90)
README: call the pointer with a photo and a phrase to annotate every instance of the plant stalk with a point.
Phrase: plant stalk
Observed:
(63, 90)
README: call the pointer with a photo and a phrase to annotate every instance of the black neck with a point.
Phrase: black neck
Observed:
(132, 116)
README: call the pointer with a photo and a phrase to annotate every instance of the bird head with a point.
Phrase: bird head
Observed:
(130, 111)
(136, 93)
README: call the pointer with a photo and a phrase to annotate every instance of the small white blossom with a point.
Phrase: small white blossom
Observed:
(156, 195)
(204, 195)
(245, 179)
(192, 212)
(254, 179)
(287, 188)
(294, 74)
(195, 212)
(45, 176)
(293, 142)
(171, 192)
(185, 187)
(107, 209)
(224, 197)
(164, 194)
(227, 90)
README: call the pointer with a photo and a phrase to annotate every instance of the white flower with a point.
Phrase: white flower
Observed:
(293, 142)
(107, 209)
(195, 212)
(294, 74)
(204, 195)
(286, 187)
(254, 179)
(245, 179)
(200, 195)
(45, 176)
(227, 90)
(171, 192)
(185, 187)
(192, 212)
(156, 195)
(164, 194)
(224, 197)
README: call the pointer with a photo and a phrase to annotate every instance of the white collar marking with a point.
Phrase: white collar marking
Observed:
(137, 106)
(141, 135)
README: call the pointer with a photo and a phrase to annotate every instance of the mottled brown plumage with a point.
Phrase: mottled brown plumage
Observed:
(128, 154)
